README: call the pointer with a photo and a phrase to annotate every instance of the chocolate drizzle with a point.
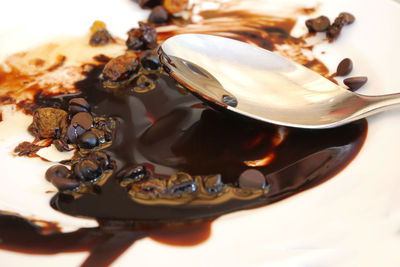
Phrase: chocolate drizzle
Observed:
(169, 131)
(105, 243)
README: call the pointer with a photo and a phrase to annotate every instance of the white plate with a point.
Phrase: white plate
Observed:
(350, 220)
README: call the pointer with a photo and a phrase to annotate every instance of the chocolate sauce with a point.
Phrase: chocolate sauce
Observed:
(169, 131)
(105, 243)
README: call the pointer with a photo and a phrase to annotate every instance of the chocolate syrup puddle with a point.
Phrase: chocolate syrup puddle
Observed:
(105, 243)
(180, 134)
(169, 131)
(166, 131)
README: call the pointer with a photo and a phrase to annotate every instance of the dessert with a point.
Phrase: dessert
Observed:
(229, 157)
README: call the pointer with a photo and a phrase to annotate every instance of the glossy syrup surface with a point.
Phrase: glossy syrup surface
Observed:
(170, 131)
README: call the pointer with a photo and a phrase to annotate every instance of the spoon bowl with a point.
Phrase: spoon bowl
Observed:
(263, 85)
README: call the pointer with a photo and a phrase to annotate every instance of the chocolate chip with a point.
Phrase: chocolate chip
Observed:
(355, 82)
(133, 174)
(78, 104)
(136, 173)
(181, 182)
(86, 170)
(101, 159)
(63, 184)
(348, 18)
(319, 24)
(88, 140)
(76, 109)
(99, 134)
(344, 68)
(57, 171)
(73, 133)
(158, 16)
(83, 119)
(148, 3)
(252, 178)
(150, 61)
(213, 183)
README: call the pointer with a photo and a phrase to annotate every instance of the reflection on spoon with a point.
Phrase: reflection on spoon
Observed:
(263, 85)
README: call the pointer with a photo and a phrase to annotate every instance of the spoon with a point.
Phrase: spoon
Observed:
(263, 85)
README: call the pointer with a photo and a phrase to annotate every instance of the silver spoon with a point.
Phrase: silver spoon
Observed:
(263, 85)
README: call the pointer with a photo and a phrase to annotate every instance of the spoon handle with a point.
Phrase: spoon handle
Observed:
(376, 104)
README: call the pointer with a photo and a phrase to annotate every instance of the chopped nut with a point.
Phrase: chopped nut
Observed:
(26, 149)
(335, 29)
(175, 6)
(142, 38)
(120, 69)
(151, 187)
(144, 84)
(319, 24)
(48, 123)
(99, 34)
(181, 182)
